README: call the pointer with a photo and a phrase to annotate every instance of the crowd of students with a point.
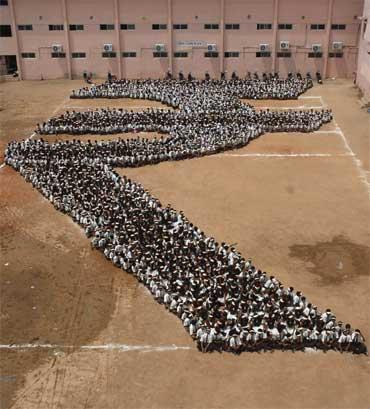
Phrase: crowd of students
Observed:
(175, 123)
(223, 300)
(209, 117)
(200, 93)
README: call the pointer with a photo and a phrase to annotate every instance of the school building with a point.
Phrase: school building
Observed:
(146, 38)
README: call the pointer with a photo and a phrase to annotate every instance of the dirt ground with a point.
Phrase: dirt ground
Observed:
(298, 204)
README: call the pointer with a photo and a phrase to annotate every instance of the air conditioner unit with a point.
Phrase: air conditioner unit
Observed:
(284, 45)
(57, 48)
(264, 47)
(108, 48)
(316, 48)
(337, 45)
(159, 47)
(211, 47)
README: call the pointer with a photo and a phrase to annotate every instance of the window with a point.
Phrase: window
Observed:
(232, 26)
(127, 26)
(76, 27)
(211, 54)
(262, 54)
(78, 55)
(28, 55)
(25, 27)
(335, 55)
(180, 26)
(58, 55)
(211, 26)
(317, 26)
(338, 26)
(180, 54)
(5, 31)
(231, 54)
(284, 54)
(315, 55)
(160, 54)
(285, 26)
(3, 2)
(129, 54)
(110, 54)
(106, 26)
(264, 26)
(56, 27)
(159, 26)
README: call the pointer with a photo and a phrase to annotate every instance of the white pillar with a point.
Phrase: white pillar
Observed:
(66, 37)
(222, 36)
(170, 36)
(274, 46)
(327, 38)
(117, 25)
(15, 33)
(358, 43)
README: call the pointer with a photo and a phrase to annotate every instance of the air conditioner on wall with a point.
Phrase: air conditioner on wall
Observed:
(264, 47)
(211, 47)
(57, 48)
(284, 45)
(108, 48)
(159, 47)
(337, 45)
(316, 48)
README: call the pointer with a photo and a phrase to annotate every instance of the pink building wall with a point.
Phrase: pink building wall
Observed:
(194, 13)
(247, 39)
(91, 13)
(40, 14)
(7, 44)
(143, 14)
(346, 11)
(363, 72)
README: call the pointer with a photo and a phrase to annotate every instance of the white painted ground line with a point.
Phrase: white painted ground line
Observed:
(108, 348)
(310, 97)
(276, 155)
(286, 108)
(285, 155)
(314, 97)
(323, 103)
(336, 131)
(103, 347)
(358, 163)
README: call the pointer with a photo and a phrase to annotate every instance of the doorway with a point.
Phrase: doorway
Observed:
(8, 64)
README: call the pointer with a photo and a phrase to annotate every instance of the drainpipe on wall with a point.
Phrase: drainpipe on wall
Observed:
(14, 30)
(118, 35)
(222, 37)
(327, 38)
(170, 36)
(274, 34)
(66, 35)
